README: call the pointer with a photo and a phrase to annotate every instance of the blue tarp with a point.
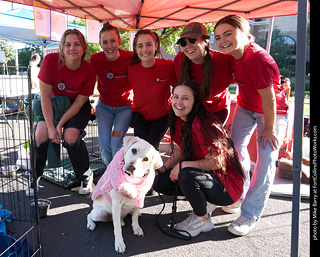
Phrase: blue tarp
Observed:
(4, 214)
(18, 25)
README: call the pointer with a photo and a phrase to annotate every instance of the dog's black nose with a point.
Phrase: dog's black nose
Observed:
(131, 168)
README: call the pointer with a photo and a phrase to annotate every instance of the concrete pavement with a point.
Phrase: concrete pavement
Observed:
(64, 233)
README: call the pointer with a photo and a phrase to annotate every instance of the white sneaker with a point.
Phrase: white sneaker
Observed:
(232, 208)
(241, 226)
(211, 207)
(86, 184)
(194, 225)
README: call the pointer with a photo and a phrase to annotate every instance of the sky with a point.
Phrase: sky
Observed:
(6, 6)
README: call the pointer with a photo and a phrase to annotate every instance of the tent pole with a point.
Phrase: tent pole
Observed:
(298, 121)
(17, 58)
(270, 34)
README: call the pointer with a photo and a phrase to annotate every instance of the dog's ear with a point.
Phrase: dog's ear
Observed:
(157, 160)
(128, 141)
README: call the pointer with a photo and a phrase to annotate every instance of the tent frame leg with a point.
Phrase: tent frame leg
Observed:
(298, 121)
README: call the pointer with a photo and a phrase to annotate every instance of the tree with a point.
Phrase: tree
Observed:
(25, 54)
(6, 47)
(168, 37)
(280, 50)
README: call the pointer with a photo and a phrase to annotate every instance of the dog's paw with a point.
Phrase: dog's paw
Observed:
(91, 225)
(137, 231)
(119, 246)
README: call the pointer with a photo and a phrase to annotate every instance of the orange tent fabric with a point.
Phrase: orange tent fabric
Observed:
(155, 14)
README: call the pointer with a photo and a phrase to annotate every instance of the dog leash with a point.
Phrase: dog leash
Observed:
(173, 214)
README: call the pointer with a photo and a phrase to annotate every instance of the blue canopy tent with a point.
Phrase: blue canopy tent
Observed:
(18, 25)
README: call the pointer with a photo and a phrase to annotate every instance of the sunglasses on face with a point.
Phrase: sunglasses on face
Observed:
(183, 41)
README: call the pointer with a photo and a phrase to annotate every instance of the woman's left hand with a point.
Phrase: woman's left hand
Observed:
(59, 131)
(268, 137)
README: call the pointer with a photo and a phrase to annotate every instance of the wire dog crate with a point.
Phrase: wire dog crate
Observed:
(63, 174)
(19, 226)
(19, 220)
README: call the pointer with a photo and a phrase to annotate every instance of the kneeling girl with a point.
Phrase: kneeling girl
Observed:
(210, 168)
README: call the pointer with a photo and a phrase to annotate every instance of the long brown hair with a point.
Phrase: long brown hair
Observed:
(82, 40)
(211, 129)
(185, 70)
(135, 58)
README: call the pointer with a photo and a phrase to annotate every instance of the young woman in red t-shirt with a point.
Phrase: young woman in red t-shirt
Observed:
(261, 104)
(209, 68)
(203, 162)
(66, 73)
(114, 106)
(150, 78)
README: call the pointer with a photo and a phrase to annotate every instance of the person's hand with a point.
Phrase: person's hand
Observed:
(160, 170)
(174, 174)
(267, 136)
(53, 135)
(59, 131)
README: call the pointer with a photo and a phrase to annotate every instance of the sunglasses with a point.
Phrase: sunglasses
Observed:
(183, 41)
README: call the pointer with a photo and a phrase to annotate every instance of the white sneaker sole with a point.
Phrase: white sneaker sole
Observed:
(237, 232)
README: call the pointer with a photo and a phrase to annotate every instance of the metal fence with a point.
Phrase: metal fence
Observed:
(19, 226)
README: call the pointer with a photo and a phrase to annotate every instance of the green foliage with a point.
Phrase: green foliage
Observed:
(6, 47)
(25, 54)
(280, 50)
(124, 39)
(93, 48)
(168, 37)
(285, 72)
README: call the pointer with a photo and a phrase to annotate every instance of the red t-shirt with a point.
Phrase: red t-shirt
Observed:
(220, 80)
(233, 182)
(151, 88)
(255, 70)
(66, 82)
(113, 84)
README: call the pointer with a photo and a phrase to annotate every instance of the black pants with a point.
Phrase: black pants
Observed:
(197, 185)
(77, 151)
(151, 131)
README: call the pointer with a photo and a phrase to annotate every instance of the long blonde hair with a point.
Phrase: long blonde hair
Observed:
(83, 43)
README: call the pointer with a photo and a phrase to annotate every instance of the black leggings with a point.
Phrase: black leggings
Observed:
(151, 131)
(77, 151)
(197, 185)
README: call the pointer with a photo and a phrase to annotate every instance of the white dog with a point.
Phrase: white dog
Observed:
(123, 186)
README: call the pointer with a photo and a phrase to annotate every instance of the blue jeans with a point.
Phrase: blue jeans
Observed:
(117, 117)
(255, 192)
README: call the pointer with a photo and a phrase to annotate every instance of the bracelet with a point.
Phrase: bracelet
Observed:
(165, 168)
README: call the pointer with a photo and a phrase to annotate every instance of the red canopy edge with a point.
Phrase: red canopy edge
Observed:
(155, 14)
